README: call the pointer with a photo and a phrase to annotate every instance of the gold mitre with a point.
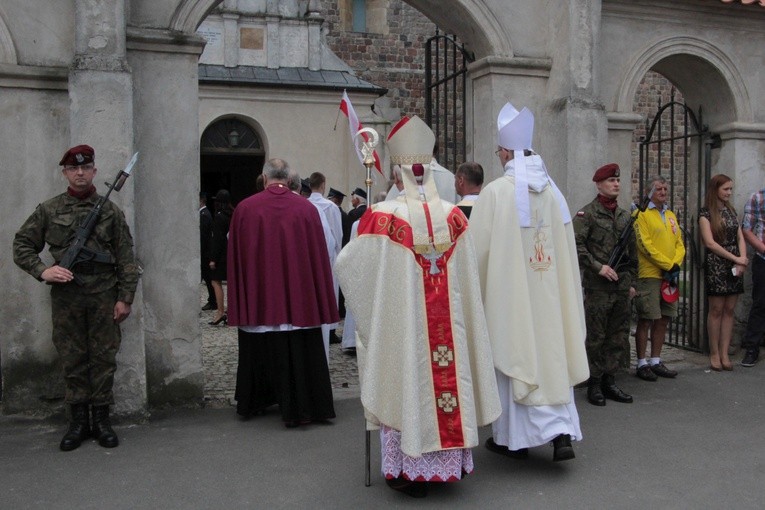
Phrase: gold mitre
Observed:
(410, 142)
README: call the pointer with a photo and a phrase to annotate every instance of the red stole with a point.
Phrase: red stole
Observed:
(438, 316)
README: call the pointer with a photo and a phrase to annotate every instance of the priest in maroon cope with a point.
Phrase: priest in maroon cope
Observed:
(280, 292)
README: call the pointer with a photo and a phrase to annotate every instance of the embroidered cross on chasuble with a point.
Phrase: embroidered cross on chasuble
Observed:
(435, 279)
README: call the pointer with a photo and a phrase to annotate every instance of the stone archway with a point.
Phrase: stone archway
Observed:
(471, 20)
(709, 82)
(7, 48)
(706, 77)
(704, 73)
(190, 13)
(699, 68)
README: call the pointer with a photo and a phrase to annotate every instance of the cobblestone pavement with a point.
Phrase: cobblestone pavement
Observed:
(219, 358)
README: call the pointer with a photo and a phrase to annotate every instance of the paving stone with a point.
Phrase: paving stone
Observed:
(220, 352)
(220, 359)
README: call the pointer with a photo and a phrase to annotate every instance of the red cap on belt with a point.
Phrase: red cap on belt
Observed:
(669, 291)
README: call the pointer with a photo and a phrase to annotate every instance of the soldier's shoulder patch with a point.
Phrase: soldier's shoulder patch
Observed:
(580, 213)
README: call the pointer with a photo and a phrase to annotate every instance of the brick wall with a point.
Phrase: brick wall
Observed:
(395, 60)
(653, 90)
(393, 56)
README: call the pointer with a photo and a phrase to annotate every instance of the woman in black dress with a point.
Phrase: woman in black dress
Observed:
(223, 212)
(724, 267)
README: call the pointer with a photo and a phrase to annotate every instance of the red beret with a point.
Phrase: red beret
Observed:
(606, 171)
(79, 155)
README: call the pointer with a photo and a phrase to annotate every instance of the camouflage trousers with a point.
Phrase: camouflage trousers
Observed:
(87, 340)
(607, 315)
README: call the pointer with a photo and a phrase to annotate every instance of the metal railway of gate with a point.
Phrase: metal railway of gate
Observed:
(679, 153)
(446, 89)
(682, 155)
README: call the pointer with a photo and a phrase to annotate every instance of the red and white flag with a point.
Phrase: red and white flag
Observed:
(353, 123)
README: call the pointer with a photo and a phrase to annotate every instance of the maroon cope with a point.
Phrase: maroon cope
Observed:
(279, 277)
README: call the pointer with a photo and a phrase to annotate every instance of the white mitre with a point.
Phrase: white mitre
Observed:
(410, 145)
(515, 131)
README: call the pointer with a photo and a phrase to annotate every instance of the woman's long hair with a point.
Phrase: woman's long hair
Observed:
(714, 204)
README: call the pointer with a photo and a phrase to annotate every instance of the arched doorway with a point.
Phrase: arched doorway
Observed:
(676, 144)
(231, 158)
(697, 93)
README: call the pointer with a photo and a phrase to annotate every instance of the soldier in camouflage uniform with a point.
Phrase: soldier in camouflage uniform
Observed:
(608, 290)
(86, 317)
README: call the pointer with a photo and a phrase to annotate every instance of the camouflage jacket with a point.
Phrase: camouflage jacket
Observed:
(597, 231)
(55, 221)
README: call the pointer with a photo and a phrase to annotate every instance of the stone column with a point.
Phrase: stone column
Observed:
(101, 115)
(167, 237)
(578, 116)
(621, 126)
(100, 85)
(230, 39)
(314, 43)
(493, 82)
(273, 58)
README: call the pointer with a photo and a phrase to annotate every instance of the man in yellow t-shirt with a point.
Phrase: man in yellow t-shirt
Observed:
(660, 253)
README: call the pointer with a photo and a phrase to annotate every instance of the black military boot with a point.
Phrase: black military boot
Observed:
(102, 427)
(612, 391)
(594, 393)
(79, 428)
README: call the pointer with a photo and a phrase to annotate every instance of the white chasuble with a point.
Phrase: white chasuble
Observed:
(532, 293)
(424, 356)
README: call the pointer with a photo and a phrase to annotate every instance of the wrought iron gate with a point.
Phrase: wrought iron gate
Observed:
(445, 88)
(677, 146)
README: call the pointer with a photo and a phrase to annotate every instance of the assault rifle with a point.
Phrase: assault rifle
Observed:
(77, 251)
(621, 246)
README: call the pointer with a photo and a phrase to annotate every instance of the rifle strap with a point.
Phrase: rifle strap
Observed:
(93, 268)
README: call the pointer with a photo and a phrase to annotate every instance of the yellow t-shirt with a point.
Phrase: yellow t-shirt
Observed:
(659, 242)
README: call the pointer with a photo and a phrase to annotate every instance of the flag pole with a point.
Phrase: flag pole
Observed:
(367, 149)
(336, 119)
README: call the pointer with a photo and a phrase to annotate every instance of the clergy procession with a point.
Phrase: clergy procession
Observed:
(456, 324)
(459, 323)
(462, 312)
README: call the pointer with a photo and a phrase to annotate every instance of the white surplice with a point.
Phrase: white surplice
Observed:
(349, 326)
(333, 248)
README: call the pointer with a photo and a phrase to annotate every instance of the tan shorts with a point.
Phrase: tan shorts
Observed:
(648, 301)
